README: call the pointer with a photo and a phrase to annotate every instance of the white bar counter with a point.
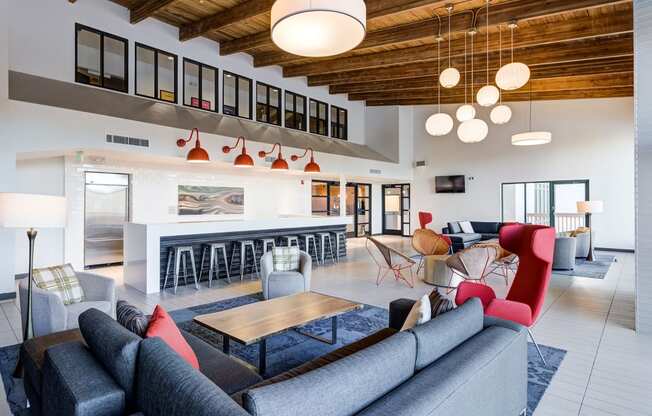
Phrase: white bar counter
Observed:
(142, 242)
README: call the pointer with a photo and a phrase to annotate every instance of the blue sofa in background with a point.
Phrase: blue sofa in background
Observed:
(482, 230)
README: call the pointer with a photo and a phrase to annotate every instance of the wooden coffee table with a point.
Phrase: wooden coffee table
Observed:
(255, 322)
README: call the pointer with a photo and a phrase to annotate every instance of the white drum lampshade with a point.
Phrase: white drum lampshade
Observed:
(500, 114)
(439, 124)
(465, 112)
(488, 96)
(532, 138)
(32, 211)
(473, 131)
(449, 77)
(317, 28)
(590, 207)
(512, 76)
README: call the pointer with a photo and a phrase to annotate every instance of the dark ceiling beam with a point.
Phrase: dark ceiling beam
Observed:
(147, 9)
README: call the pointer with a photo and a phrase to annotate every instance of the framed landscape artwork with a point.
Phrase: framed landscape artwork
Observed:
(210, 200)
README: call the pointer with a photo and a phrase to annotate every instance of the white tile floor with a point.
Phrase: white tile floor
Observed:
(606, 371)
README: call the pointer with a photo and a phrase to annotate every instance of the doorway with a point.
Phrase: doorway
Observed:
(396, 209)
(326, 201)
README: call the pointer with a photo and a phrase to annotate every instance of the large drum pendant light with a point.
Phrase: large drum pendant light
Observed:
(450, 76)
(530, 137)
(316, 28)
(500, 114)
(488, 95)
(439, 124)
(514, 75)
(474, 130)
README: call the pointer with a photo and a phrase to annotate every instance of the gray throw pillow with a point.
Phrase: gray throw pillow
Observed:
(131, 318)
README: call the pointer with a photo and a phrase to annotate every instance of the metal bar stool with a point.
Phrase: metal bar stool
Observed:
(310, 238)
(215, 249)
(289, 239)
(179, 254)
(244, 244)
(322, 238)
(266, 243)
(338, 235)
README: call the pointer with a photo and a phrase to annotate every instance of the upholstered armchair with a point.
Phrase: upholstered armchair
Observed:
(49, 314)
(277, 284)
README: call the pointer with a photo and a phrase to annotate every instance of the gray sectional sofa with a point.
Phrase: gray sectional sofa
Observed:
(459, 363)
(482, 230)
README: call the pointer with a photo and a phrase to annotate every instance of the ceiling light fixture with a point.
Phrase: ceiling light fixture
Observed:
(466, 111)
(450, 76)
(514, 75)
(500, 114)
(197, 154)
(489, 94)
(531, 138)
(474, 130)
(312, 166)
(243, 160)
(279, 163)
(318, 28)
(439, 124)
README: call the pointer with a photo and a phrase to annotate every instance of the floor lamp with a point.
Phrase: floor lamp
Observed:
(31, 212)
(589, 208)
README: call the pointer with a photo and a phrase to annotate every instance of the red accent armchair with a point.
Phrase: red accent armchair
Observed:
(534, 245)
(425, 218)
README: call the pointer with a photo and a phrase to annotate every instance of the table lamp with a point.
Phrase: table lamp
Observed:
(589, 208)
(31, 211)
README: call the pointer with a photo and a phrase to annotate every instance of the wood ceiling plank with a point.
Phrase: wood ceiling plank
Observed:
(147, 9)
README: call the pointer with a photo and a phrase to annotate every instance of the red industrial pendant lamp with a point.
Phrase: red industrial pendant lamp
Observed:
(243, 160)
(312, 166)
(197, 154)
(279, 163)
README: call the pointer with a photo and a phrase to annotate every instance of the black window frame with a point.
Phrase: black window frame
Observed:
(200, 89)
(268, 106)
(327, 112)
(306, 118)
(102, 34)
(237, 96)
(336, 124)
(156, 54)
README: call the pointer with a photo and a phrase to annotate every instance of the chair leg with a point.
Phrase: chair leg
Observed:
(421, 263)
(211, 268)
(253, 252)
(167, 270)
(226, 266)
(314, 246)
(177, 265)
(537, 347)
(243, 257)
(194, 269)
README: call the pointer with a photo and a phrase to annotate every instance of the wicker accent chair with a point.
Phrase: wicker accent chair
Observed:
(428, 243)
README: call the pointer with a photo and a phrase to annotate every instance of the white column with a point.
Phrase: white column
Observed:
(342, 196)
(643, 107)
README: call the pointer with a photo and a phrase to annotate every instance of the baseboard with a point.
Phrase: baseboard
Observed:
(618, 250)
(7, 296)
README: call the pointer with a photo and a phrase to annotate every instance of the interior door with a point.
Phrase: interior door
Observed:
(396, 209)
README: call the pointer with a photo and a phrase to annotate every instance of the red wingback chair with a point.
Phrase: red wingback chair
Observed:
(534, 245)
(425, 218)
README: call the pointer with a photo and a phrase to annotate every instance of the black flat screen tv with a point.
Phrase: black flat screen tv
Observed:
(450, 184)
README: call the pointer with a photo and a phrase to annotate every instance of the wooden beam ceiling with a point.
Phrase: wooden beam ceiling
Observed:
(147, 9)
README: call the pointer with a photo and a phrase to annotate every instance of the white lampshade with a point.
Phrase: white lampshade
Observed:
(532, 138)
(590, 207)
(500, 114)
(439, 124)
(32, 211)
(512, 76)
(465, 112)
(473, 131)
(317, 28)
(449, 77)
(488, 96)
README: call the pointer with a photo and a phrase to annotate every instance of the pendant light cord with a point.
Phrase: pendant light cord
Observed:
(449, 37)
(530, 105)
(472, 92)
(487, 42)
(512, 42)
(500, 58)
(438, 83)
(466, 78)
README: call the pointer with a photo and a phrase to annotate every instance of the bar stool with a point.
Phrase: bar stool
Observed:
(338, 235)
(322, 238)
(289, 239)
(266, 243)
(215, 250)
(244, 244)
(179, 254)
(310, 238)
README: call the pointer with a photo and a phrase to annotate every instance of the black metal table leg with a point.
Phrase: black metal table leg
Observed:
(226, 345)
(334, 329)
(333, 338)
(262, 356)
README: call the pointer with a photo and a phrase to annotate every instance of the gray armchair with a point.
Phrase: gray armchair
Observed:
(49, 314)
(277, 284)
(565, 253)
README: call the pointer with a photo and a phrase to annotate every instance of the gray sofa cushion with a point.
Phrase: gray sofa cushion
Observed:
(112, 345)
(454, 228)
(486, 227)
(445, 332)
(341, 388)
(168, 385)
(467, 237)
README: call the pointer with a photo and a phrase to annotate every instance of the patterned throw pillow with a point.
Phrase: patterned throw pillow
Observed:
(131, 318)
(285, 259)
(439, 304)
(61, 280)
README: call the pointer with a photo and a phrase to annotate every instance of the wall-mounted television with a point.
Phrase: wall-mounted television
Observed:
(453, 184)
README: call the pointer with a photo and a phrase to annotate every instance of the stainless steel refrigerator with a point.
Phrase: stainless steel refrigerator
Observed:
(106, 209)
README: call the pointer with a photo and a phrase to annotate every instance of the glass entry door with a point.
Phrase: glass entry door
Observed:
(358, 205)
(396, 209)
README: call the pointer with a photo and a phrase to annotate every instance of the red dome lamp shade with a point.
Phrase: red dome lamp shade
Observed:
(279, 163)
(312, 166)
(243, 160)
(197, 154)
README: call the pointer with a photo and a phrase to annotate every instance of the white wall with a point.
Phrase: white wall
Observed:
(592, 139)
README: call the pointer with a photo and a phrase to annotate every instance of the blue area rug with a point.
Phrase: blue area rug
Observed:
(596, 269)
(290, 349)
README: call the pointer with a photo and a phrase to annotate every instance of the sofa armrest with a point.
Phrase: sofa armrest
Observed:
(49, 314)
(75, 384)
(398, 312)
(96, 287)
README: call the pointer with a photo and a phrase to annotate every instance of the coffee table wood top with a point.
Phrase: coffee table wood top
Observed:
(251, 323)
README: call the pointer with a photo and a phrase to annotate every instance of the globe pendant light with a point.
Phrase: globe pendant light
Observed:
(488, 95)
(317, 28)
(466, 111)
(450, 76)
(473, 130)
(531, 138)
(514, 75)
(500, 114)
(439, 124)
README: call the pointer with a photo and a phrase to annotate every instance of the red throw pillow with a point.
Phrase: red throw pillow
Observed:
(161, 325)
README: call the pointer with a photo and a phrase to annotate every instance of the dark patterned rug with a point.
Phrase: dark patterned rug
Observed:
(596, 269)
(290, 349)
